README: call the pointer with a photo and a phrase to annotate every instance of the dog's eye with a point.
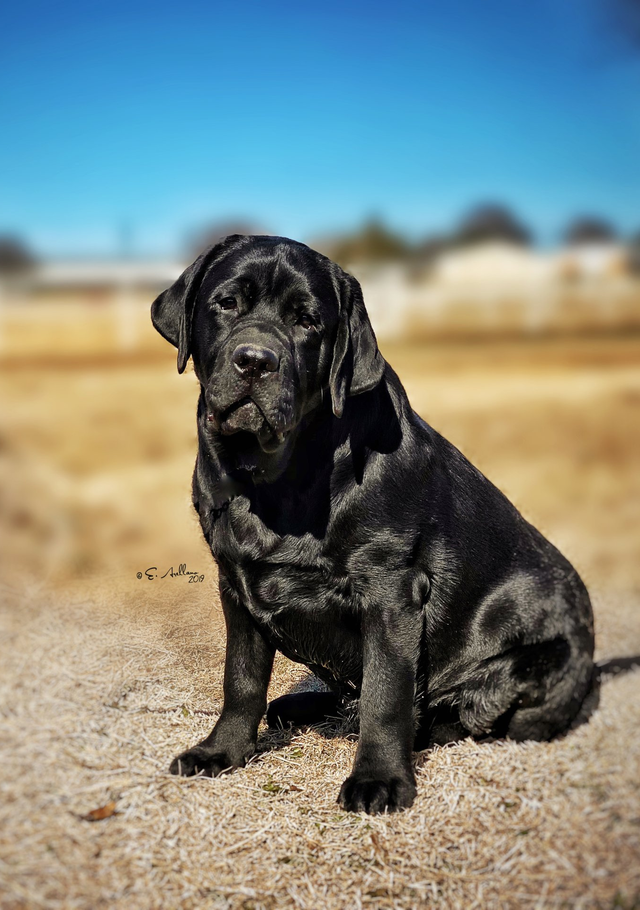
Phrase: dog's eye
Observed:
(227, 303)
(306, 321)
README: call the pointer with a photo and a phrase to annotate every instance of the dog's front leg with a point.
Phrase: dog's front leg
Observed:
(248, 664)
(382, 776)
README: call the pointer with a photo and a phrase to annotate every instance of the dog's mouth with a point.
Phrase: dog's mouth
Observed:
(245, 416)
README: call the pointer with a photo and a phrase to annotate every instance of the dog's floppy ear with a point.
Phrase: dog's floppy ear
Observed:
(172, 311)
(357, 364)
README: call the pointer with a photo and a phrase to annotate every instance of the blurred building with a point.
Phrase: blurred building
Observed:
(81, 306)
(594, 259)
(99, 281)
(501, 287)
(491, 287)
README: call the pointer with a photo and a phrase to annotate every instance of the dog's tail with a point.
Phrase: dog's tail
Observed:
(602, 671)
(615, 666)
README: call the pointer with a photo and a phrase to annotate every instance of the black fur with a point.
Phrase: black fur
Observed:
(356, 539)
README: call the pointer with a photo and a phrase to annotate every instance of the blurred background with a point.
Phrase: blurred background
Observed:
(476, 166)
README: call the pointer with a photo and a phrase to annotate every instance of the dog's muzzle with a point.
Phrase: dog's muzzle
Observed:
(249, 395)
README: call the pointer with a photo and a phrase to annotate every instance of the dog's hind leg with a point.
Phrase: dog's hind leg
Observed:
(439, 727)
(301, 709)
(530, 692)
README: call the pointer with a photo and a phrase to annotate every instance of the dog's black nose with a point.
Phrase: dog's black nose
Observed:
(251, 360)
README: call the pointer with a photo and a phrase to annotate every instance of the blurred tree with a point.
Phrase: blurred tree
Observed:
(589, 229)
(425, 254)
(202, 239)
(372, 243)
(427, 250)
(634, 253)
(15, 257)
(491, 222)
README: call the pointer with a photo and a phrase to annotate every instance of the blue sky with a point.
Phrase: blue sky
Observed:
(308, 118)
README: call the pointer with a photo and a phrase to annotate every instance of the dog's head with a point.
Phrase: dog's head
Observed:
(271, 326)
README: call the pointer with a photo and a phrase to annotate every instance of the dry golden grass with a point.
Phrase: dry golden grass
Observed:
(104, 676)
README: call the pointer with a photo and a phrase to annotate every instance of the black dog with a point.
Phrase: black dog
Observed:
(352, 537)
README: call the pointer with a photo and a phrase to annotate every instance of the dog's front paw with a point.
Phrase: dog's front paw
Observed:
(376, 794)
(201, 759)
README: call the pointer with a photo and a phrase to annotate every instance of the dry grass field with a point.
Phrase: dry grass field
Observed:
(105, 676)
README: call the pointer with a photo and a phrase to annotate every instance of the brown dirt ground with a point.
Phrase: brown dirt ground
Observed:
(104, 676)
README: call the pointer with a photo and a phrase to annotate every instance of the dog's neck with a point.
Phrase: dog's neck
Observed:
(235, 464)
(320, 444)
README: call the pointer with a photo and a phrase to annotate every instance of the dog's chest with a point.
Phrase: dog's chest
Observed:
(305, 606)
(309, 614)
(301, 601)
(310, 592)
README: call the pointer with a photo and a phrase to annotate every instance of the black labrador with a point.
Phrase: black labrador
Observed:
(353, 538)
